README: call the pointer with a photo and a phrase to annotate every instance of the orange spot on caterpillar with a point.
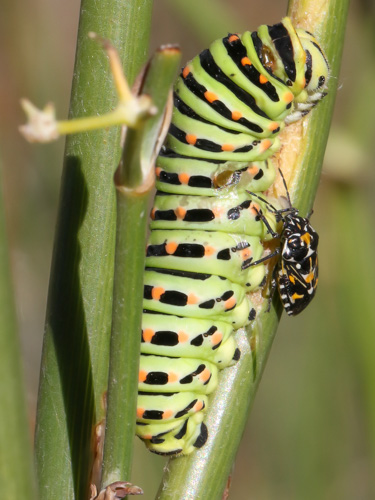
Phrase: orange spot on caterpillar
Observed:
(147, 334)
(288, 97)
(233, 38)
(158, 171)
(205, 375)
(167, 414)
(273, 126)
(140, 412)
(254, 208)
(245, 61)
(236, 115)
(218, 212)
(171, 247)
(157, 292)
(152, 215)
(172, 377)
(147, 436)
(216, 338)
(208, 251)
(303, 82)
(227, 147)
(263, 79)
(264, 145)
(253, 170)
(182, 337)
(210, 96)
(184, 178)
(185, 71)
(230, 303)
(246, 253)
(191, 139)
(192, 299)
(198, 406)
(180, 212)
(142, 375)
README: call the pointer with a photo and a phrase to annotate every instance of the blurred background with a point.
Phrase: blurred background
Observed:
(311, 434)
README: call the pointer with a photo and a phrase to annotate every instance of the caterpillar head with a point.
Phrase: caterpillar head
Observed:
(316, 66)
(295, 57)
(282, 54)
(316, 76)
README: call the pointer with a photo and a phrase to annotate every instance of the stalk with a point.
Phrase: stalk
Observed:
(74, 370)
(135, 182)
(16, 464)
(204, 474)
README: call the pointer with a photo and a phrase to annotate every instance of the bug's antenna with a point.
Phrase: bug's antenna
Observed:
(274, 210)
(286, 188)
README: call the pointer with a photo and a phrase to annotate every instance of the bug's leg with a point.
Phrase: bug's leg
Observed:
(130, 111)
(272, 291)
(274, 210)
(273, 280)
(267, 224)
(249, 263)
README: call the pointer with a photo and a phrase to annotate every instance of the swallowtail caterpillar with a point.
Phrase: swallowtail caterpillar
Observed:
(205, 249)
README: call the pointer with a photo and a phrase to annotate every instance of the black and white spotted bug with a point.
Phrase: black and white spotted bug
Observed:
(297, 269)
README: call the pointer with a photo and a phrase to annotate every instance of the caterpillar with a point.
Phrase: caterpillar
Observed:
(208, 224)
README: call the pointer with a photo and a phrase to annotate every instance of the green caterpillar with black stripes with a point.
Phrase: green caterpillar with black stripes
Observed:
(205, 251)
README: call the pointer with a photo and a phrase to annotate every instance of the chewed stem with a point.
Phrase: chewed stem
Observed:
(130, 111)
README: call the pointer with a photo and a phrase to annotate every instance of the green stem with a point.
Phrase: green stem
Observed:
(204, 474)
(74, 370)
(132, 217)
(16, 464)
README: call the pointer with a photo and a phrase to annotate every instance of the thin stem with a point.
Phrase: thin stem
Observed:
(16, 469)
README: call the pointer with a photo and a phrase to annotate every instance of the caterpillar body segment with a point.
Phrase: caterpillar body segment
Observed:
(235, 212)
(182, 175)
(211, 252)
(183, 435)
(205, 251)
(196, 295)
(168, 335)
(187, 375)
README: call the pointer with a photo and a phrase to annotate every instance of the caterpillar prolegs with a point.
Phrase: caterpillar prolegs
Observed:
(230, 102)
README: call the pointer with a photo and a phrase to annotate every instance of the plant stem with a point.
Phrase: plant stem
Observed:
(16, 464)
(74, 370)
(132, 217)
(204, 474)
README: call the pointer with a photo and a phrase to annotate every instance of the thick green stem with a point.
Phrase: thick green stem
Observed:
(132, 217)
(204, 474)
(74, 370)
